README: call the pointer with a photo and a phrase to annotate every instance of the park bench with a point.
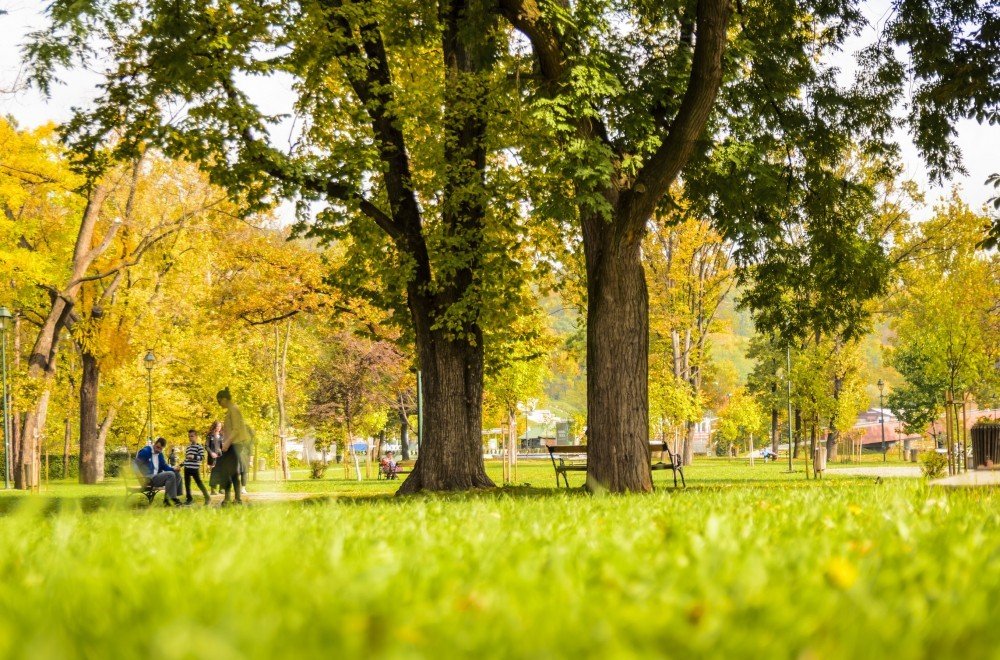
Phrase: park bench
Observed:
(402, 467)
(573, 458)
(141, 487)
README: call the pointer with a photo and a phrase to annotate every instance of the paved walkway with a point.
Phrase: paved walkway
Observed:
(259, 497)
(887, 471)
(971, 479)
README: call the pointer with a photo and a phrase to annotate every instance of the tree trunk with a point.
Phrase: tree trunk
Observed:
(812, 445)
(91, 442)
(774, 430)
(16, 447)
(42, 362)
(688, 444)
(280, 382)
(617, 362)
(832, 439)
(451, 441)
(31, 436)
(512, 446)
(451, 447)
(798, 432)
(67, 436)
(404, 438)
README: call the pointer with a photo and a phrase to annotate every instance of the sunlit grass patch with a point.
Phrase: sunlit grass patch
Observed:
(777, 568)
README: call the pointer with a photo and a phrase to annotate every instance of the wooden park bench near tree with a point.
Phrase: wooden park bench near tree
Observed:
(402, 467)
(573, 458)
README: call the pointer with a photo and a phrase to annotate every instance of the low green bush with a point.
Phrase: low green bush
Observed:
(933, 464)
(317, 469)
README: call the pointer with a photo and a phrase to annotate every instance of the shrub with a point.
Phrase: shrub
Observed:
(932, 464)
(317, 469)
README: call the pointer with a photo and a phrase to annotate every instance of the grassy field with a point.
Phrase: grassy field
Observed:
(745, 562)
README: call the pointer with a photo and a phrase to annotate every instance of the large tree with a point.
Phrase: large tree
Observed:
(627, 107)
(395, 100)
(741, 99)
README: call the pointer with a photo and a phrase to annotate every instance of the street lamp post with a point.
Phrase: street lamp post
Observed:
(881, 415)
(5, 317)
(149, 361)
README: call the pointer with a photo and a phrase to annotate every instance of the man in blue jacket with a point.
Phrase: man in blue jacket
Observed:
(154, 467)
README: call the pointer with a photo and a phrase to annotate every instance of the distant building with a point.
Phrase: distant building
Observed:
(702, 441)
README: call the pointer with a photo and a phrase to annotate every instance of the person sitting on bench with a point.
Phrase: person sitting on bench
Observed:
(153, 467)
(389, 466)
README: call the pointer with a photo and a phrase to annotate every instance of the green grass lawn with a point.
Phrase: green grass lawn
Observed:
(745, 562)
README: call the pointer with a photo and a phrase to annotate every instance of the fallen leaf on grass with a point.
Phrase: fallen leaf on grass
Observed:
(840, 573)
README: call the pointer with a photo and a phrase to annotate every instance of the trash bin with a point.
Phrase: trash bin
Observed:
(819, 460)
(914, 455)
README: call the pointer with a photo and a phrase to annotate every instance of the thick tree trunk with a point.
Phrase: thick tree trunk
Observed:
(617, 362)
(451, 447)
(91, 445)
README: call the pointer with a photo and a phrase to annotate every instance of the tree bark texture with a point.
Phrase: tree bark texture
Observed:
(91, 442)
(67, 439)
(451, 443)
(617, 365)
(774, 430)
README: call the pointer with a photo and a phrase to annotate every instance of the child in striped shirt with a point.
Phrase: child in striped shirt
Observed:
(194, 454)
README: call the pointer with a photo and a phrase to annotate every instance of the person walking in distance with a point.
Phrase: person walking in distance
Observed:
(235, 437)
(213, 446)
(194, 454)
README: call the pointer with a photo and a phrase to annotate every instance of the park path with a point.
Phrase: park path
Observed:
(880, 471)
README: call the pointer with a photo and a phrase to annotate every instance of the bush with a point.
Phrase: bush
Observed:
(932, 464)
(113, 462)
(317, 469)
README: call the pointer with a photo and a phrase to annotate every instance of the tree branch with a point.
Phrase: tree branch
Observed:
(637, 204)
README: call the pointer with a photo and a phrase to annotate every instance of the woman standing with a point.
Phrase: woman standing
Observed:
(235, 437)
(213, 448)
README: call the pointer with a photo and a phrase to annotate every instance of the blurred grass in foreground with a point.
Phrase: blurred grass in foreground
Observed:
(746, 562)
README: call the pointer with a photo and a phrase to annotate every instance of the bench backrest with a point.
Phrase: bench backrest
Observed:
(567, 449)
(655, 447)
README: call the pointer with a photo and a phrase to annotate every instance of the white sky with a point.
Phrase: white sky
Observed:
(980, 144)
